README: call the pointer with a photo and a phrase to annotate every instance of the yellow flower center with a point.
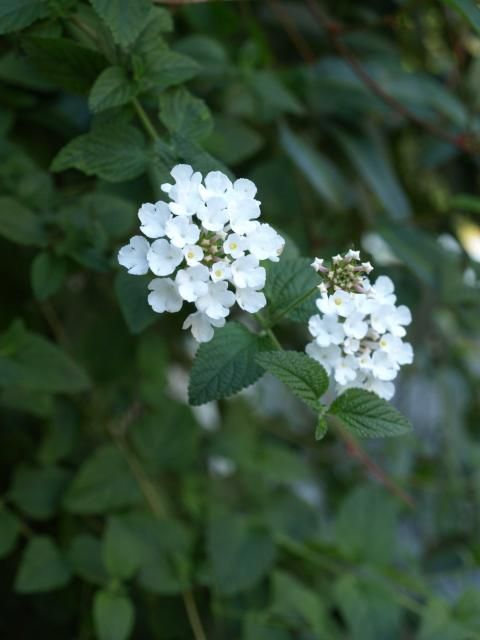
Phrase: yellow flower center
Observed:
(338, 301)
(190, 254)
(218, 273)
(233, 246)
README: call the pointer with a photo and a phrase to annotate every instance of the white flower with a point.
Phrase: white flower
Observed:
(133, 256)
(163, 257)
(346, 370)
(355, 325)
(317, 265)
(217, 184)
(265, 243)
(328, 357)
(200, 240)
(340, 303)
(250, 299)
(202, 326)
(235, 245)
(383, 291)
(400, 352)
(385, 390)
(383, 367)
(164, 296)
(193, 254)
(192, 282)
(182, 231)
(246, 272)
(184, 193)
(326, 330)
(153, 218)
(217, 301)
(352, 255)
(220, 271)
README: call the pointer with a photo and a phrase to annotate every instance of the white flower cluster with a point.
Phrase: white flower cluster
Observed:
(358, 336)
(206, 238)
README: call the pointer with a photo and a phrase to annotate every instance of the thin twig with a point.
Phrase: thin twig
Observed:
(334, 31)
(299, 42)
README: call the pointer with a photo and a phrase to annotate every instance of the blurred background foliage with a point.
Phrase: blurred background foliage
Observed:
(124, 513)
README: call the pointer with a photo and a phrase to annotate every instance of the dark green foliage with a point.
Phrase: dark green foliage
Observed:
(125, 511)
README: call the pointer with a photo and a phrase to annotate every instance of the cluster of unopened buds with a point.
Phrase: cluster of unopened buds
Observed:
(206, 240)
(357, 334)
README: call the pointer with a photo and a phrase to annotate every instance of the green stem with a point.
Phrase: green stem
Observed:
(147, 123)
(293, 305)
(268, 331)
(193, 615)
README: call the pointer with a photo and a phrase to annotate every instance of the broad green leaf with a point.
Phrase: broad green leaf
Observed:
(114, 153)
(42, 567)
(47, 274)
(103, 483)
(232, 141)
(183, 113)
(18, 224)
(208, 52)
(368, 416)
(239, 554)
(32, 362)
(9, 529)
(318, 170)
(373, 538)
(132, 293)
(369, 157)
(64, 63)
(18, 14)
(113, 615)
(294, 602)
(287, 280)
(61, 435)
(124, 18)
(466, 201)
(257, 626)
(226, 364)
(321, 428)
(122, 555)
(469, 9)
(85, 558)
(274, 97)
(306, 378)
(38, 492)
(112, 88)
(165, 68)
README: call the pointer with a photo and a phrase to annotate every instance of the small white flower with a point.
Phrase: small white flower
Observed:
(202, 326)
(235, 245)
(192, 282)
(133, 256)
(217, 301)
(163, 258)
(246, 272)
(355, 325)
(250, 299)
(385, 390)
(339, 303)
(328, 357)
(317, 265)
(265, 243)
(383, 367)
(351, 346)
(184, 193)
(383, 290)
(217, 184)
(326, 330)
(153, 218)
(352, 255)
(242, 215)
(400, 352)
(164, 296)
(193, 254)
(346, 370)
(213, 214)
(182, 231)
(220, 271)
(244, 189)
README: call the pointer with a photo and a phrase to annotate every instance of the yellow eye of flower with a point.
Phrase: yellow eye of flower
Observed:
(383, 343)
(218, 273)
(338, 301)
(233, 246)
(190, 254)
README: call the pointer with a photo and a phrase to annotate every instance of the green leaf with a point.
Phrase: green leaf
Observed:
(38, 492)
(114, 153)
(239, 554)
(232, 141)
(64, 63)
(103, 483)
(286, 281)
(124, 18)
(185, 114)
(165, 68)
(112, 88)
(319, 171)
(194, 154)
(226, 364)
(32, 362)
(469, 9)
(42, 567)
(132, 293)
(9, 530)
(113, 615)
(321, 428)
(466, 202)
(47, 274)
(85, 558)
(274, 97)
(18, 224)
(368, 416)
(306, 378)
(122, 554)
(18, 14)
(369, 157)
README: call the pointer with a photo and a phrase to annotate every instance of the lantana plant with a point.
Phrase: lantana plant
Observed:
(207, 247)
